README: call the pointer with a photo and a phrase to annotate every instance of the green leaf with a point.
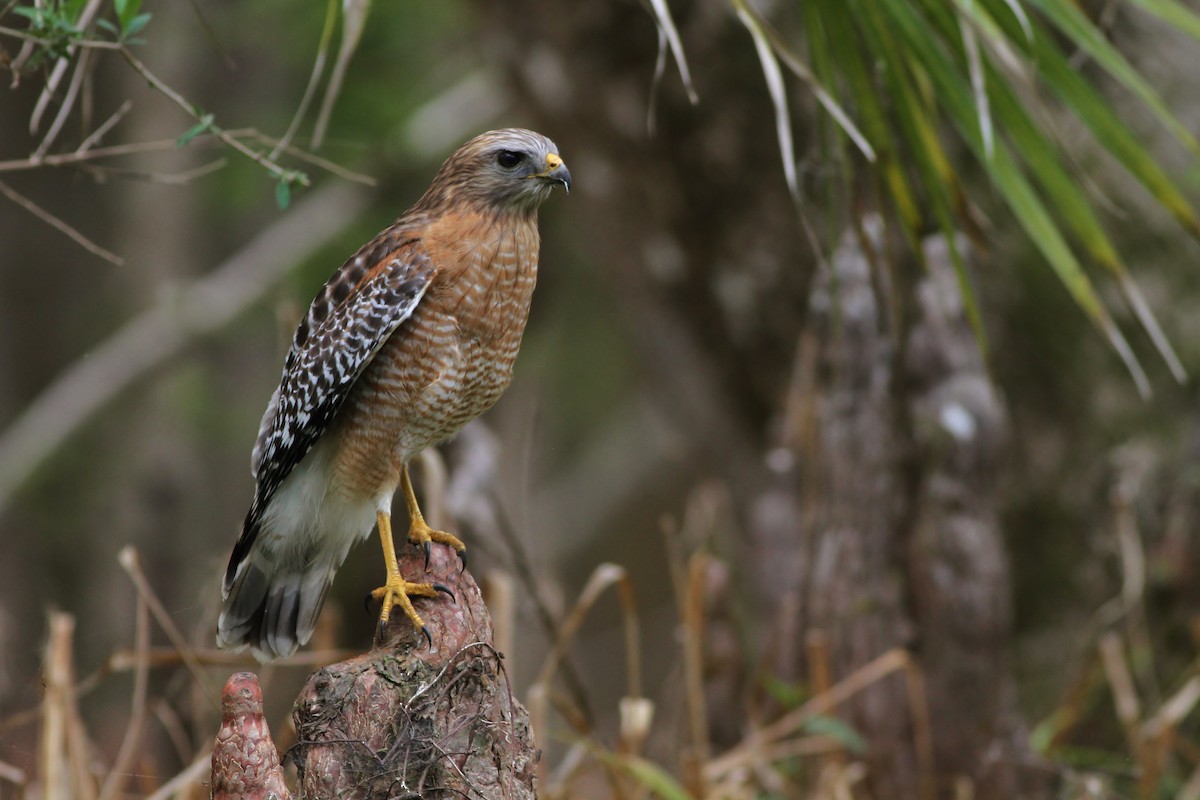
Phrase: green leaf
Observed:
(204, 125)
(126, 11)
(786, 693)
(918, 121)
(838, 730)
(878, 128)
(283, 193)
(135, 25)
(775, 87)
(1089, 38)
(1173, 13)
(652, 776)
(31, 13)
(1031, 213)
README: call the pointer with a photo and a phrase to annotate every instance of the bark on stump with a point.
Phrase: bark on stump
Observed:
(409, 720)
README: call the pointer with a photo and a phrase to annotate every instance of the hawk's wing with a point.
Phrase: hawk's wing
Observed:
(364, 302)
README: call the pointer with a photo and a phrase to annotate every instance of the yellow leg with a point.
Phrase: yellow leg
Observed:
(419, 531)
(396, 591)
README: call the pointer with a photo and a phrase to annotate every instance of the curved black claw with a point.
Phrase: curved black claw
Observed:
(367, 602)
(428, 638)
(381, 630)
(462, 557)
(427, 549)
(437, 587)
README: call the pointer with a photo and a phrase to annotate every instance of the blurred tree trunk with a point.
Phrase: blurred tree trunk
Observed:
(859, 438)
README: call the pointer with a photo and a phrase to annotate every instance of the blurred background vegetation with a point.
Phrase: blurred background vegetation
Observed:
(755, 385)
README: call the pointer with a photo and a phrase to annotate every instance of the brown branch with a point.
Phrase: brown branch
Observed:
(64, 111)
(53, 221)
(114, 783)
(60, 67)
(225, 136)
(94, 138)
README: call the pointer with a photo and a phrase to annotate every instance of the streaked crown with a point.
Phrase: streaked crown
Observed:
(511, 169)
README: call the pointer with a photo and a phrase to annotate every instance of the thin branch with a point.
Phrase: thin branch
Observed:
(314, 159)
(129, 561)
(29, 38)
(191, 776)
(44, 215)
(159, 333)
(225, 136)
(60, 67)
(315, 78)
(63, 159)
(167, 178)
(354, 19)
(114, 783)
(98, 134)
(68, 104)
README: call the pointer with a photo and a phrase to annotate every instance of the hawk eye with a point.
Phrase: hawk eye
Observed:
(509, 158)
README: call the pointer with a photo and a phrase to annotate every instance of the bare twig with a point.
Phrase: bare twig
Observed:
(53, 221)
(191, 776)
(225, 136)
(354, 19)
(115, 782)
(12, 774)
(318, 69)
(324, 163)
(750, 749)
(129, 561)
(82, 64)
(1124, 695)
(123, 660)
(166, 178)
(94, 138)
(159, 333)
(52, 753)
(65, 159)
(60, 67)
(693, 615)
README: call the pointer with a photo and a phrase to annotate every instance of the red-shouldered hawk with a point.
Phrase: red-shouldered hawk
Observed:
(413, 337)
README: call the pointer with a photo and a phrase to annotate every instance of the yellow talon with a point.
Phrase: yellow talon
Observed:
(396, 591)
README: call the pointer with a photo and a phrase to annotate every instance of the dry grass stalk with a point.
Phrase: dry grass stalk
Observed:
(1125, 697)
(132, 564)
(65, 752)
(751, 749)
(114, 784)
(816, 645)
(693, 612)
(602, 578)
(190, 777)
(59, 225)
(500, 595)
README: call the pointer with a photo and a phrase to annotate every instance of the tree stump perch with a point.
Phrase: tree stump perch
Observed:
(407, 720)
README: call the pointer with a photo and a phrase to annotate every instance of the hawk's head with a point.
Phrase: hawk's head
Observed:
(511, 169)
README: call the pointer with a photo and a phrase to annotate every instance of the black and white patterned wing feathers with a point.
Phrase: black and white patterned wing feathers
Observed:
(350, 319)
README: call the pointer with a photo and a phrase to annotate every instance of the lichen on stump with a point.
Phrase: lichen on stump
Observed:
(411, 720)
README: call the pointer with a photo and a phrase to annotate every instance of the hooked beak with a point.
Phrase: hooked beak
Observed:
(555, 172)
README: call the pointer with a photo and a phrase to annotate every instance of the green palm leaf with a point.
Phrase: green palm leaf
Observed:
(898, 76)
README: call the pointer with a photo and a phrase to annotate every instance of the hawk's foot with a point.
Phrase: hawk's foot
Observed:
(421, 535)
(396, 593)
(419, 532)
